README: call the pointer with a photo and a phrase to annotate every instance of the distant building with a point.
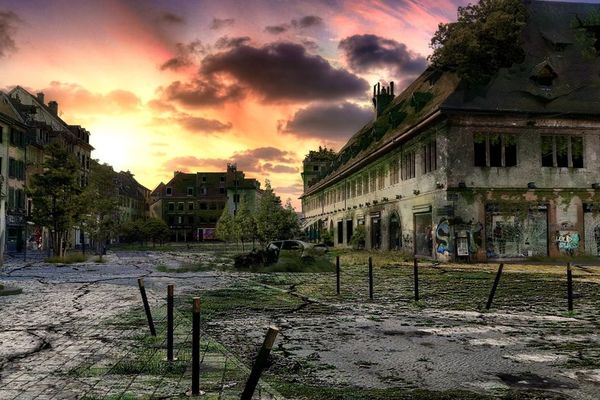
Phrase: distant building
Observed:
(43, 126)
(192, 203)
(134, 198)
(506, 171)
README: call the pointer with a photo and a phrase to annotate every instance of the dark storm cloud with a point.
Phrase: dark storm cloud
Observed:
(186, 52)
(262, 159)
(368, 52)
(305, 22)
(201, 93)
(226, 42)
(328, 121)
(171, 18)
(284, 71)
(8, 27)
(218, 23)
(202, 125)
(277, 29)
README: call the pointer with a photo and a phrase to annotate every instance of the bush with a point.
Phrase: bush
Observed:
(359, 237)
(71, 258)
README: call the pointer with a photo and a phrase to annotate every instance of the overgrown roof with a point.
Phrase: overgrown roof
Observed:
(552, 40)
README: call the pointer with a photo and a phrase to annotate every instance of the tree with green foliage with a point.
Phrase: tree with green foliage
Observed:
(244, 223)
(156, 230)
(359, 237)
(100, 206)
(272, 220)
(225, 226)
(133, 231)
(55, 196)
(485, 38)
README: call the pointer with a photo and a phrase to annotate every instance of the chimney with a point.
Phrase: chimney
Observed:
(53, 106)
(382, 98)
(40, 97)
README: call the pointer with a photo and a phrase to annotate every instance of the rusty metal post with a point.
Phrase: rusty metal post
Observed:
(260, 363)
(569, 287)
(146, 306)
(196, 347)
(494, 287)
(337, 275)
(371, 278)
(170, 294)
(416, 276)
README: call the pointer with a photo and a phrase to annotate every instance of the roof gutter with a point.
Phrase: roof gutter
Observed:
(369, 158)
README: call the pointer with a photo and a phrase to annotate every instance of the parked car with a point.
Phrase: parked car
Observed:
(296, 248)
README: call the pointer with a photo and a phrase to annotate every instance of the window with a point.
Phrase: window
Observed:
(494, 150)
(203, 206)
(359, 187)
(169, 191)
(315, 168)
(562, 151)
(408, 165)
(394, 171)
(203, 179)
(190, 191)
(191, 219)
(236, 198)
(380, 179)
(222, 179)
(11, 168)
(221, 190)
(180, 206)
(373, 180)
(190, 206)
(366, 183)
(213, 206)
(204, 191)
(429, 157)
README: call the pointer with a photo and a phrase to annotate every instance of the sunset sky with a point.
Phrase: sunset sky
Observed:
(190, 85)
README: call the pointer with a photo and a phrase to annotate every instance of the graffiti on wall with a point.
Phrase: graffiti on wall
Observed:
(568, 241)
(442, 237)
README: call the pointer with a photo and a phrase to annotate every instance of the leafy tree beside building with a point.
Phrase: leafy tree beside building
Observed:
(55, 195)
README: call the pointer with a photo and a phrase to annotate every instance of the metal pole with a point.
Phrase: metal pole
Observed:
(146, 306)
(416, 276)
(494, 286)
(260, 363)
(196, 347)
(337, 274)
(170, 292)
(370, 278)
(569, 287)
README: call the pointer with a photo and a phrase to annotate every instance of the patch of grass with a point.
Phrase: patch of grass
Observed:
(70, 258)
(239, 299)
(295, 264)
(186, 267)
(99, 260)
(563, 259)
(306, 392)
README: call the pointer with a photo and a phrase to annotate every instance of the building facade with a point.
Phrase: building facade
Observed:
(192, 203)
(508, 170)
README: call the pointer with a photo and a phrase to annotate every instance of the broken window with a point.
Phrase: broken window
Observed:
(544, 75)
(494, 150)
(562, 151)
(429, 157)
(408, 165)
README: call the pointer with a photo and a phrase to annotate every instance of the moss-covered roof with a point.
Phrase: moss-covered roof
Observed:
(552, 41)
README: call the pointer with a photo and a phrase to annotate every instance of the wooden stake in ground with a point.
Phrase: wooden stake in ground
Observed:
(196, 347)
(146, 306)
(260, 363)
(416, 275)
(494, 286)
(337, 275)
(569, 287)
(170, 295)
(371, 278)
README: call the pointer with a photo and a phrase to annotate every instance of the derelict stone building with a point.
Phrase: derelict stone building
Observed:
(508, 170)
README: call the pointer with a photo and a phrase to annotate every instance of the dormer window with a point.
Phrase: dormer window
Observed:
(169, 191)
(544, 75)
